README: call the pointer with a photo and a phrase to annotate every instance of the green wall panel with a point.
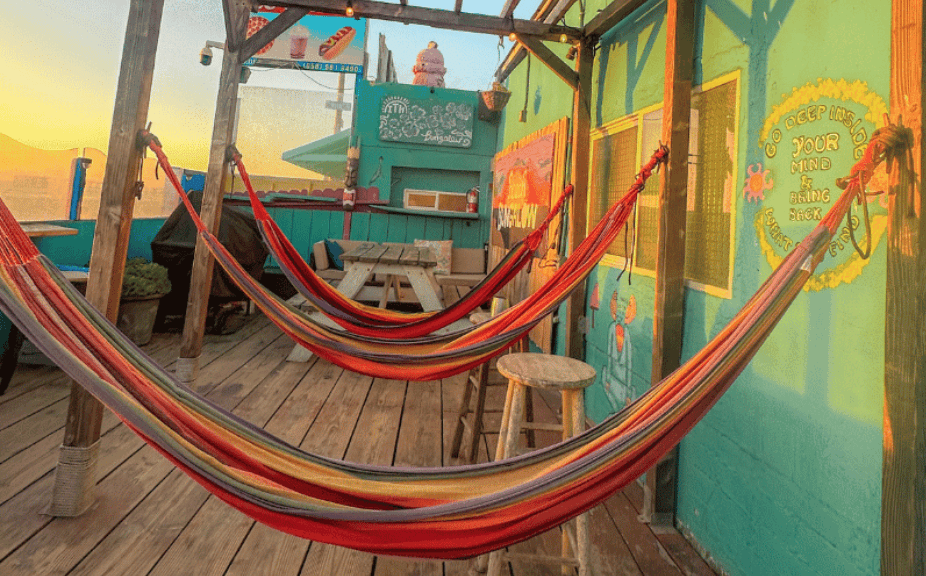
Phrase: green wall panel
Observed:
(783, 475)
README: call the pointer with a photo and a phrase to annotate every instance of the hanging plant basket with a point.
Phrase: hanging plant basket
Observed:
(496, 98)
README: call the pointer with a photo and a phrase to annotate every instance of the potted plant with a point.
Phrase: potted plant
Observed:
(143, 285)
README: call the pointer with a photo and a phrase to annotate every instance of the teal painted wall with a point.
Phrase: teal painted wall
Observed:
(783, 476)
(393, 166)
(75, 250)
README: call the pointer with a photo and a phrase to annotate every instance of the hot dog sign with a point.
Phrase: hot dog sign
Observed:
(326, 43)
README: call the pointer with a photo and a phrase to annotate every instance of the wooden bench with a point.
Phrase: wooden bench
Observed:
(467, 268)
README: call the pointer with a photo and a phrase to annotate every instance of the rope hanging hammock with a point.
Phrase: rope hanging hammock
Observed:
(433, 356)
(372, 321)
(426, 512)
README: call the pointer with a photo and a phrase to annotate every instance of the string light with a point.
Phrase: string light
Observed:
(563, 38)
(350, 9)
(513, 37)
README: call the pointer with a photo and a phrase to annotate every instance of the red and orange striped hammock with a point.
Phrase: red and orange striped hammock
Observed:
(432, 356)
(426, 512)
(361, 319)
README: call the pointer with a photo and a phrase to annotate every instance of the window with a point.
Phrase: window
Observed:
(435, 200)
(614, 165)
(618, 150)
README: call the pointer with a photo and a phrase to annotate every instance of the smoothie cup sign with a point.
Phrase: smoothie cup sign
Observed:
(298, 40)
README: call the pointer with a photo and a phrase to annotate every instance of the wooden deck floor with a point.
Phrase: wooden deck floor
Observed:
(151, 519)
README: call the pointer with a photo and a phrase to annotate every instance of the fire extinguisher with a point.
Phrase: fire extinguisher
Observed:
(472, 200)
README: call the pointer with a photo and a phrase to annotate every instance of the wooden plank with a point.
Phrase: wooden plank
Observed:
(268, 551)
(23, 514)
(392, 255)
(22, 434)
(21, 385)
(609, 553)
(234, 35)
(550, 12)
(117, 200)
(140, 540)
(415, 229)
(551, 60)
(508, 8)
(645, 549)
(683, 554)
(58, 547)
(291, 422)
(581, 122)
(237, 12)
(330, 435)
(129, 548)
(443, 19)
(397, 228)
(610, 16)
(44, 230)
(419, 444)
(234, 358)
(374, 442)
(29, 465)
(903, 493)
(40, 391)
(669, 306)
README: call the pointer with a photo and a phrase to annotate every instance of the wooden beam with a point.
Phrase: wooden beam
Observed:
(581, 126)
(508, 8)
(114, 221)
(669, 313)
(459, 6)
(552, 61)
(613, 14)
(903, 491)
(518, 53)
(445, 19)
(233, 37)
(270, 32)
(222, 133)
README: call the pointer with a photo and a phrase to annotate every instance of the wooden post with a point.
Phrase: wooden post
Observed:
(76, 473)
(668, 317)
(237, 12)
(903, 492)
(581, 120)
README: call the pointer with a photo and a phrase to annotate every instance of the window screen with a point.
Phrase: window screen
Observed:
(614, 166)
(711, 173)
(710, 199)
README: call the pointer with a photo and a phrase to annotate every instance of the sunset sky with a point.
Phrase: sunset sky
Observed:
(61, 63)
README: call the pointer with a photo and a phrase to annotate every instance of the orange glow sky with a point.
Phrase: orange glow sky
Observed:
(61, 63)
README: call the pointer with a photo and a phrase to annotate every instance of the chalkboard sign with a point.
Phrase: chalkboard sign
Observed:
(434, 122)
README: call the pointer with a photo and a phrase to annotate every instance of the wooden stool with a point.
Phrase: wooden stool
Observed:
(469, 416)
(570, 377)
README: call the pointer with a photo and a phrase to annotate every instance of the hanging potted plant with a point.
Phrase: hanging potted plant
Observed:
(143, 285)
(496, 98)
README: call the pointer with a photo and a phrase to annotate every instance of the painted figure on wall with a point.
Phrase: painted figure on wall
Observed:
(617, 375)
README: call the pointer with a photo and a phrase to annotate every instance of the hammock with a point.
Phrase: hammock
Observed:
(427, 512)
(372, 321)
(433, 356)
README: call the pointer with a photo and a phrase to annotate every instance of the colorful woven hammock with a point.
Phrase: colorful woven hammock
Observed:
(433, 356)
(366, 320)
(429, 512)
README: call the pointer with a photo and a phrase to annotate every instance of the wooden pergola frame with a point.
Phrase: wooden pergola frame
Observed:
(903, 549)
